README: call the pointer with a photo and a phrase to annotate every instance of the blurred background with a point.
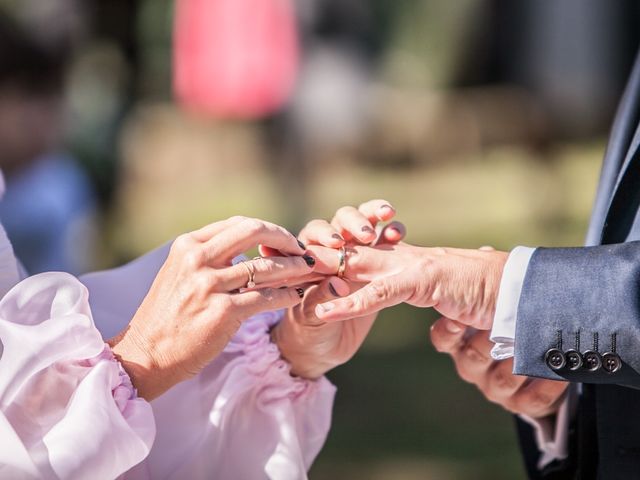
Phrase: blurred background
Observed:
(126, 122)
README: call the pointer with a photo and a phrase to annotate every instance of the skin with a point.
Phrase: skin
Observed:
(196, 302)
(463, 286)
(194, 307)
(471, 354)
(311, 345)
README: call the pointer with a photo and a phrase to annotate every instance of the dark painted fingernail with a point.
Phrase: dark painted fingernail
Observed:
(283, 287)
(302, 245)
(337, 237)
(309, 259)
(332, 289)
(386, 206)
(367, 229)
(300, 292)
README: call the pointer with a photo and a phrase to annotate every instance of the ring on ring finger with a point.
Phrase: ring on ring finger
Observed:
(251, 283)
(342, 262)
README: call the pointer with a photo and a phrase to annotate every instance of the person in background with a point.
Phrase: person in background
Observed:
(49, 208)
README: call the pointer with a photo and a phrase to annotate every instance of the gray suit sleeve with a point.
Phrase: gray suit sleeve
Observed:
(588, 296)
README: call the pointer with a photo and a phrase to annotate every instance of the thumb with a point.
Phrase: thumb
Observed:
(329, 289)
(447, 335)
(375, 296)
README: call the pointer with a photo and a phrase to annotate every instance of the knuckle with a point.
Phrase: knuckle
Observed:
(181, 243)
(268, 294)
(253, 226)
(193, 258)
(357, 303)
(379, 291)
(224, 303)
(346, 210)
(475, 355)
(203, 283)
(503, 381)
(238, 218)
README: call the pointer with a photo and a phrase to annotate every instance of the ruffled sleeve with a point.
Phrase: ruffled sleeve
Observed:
(254, 420)
(243, 417)
(67, 409)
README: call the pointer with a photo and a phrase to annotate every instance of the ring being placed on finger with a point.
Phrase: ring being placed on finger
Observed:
(342, 261)
(252, 273)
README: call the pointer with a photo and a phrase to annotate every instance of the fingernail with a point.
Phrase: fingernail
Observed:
(302, 246)
(394, 229)
(452, 327)
(325, 307)
(300, 292)
(387, 207)
(333, 291)
(337, 237)
(310, 260)
(367, 229)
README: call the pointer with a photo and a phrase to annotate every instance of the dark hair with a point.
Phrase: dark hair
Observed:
(26, 63)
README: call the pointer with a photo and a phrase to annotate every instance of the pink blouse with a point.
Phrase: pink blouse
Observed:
(68, 410)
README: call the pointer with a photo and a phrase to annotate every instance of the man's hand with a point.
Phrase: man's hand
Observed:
(460, 284)
(470, 351)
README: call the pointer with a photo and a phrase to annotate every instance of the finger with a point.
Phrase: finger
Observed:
(329, 289)
(268, 252)
(473, 360)
(392, 233)
(274, 270)
(208, 231)
(502, 384)
(350, 223)
(363, 263)
(372, 298)
(538, 398)
(377, 211)
(267, 299)
(447, 335)
(320, 232)
(327, 259)
(246, 234)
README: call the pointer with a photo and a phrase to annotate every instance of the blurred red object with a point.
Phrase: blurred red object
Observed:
(235, 58)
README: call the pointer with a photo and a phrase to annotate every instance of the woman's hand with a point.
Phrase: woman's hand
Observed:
(314, 346)
(197, 301)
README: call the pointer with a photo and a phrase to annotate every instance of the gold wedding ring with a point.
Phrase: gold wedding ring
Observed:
(342, 261)
(252, 273)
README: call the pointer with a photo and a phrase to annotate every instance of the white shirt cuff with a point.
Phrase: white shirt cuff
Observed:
(503, 333)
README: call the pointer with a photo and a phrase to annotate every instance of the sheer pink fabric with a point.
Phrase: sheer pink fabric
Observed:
(68, 410)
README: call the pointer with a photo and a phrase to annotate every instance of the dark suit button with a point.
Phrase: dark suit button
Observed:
(611, 362)
(574, 359)
(555, 359)
(592, 360)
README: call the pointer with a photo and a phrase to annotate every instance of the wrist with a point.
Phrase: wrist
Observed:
(143, 372)
(294, 347)
(463, 284)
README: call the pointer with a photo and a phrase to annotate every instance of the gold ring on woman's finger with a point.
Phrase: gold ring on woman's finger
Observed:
(342, 261)
(251, 283)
